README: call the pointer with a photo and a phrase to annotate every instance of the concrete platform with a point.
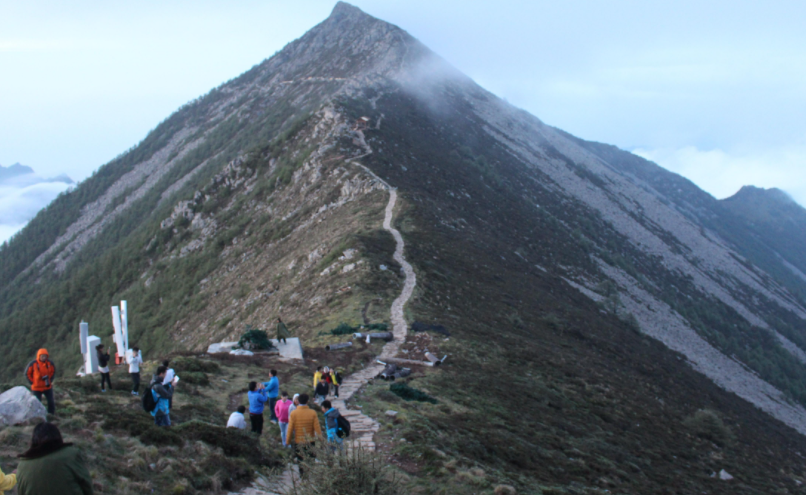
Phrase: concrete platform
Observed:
(291, 350)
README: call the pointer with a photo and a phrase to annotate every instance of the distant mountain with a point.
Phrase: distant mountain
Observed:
(14, 171)
(611, 325)
(776, 220)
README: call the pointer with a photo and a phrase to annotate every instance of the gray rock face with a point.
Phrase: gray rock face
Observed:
(19, 405)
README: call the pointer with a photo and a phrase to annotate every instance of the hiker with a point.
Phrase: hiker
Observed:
(281, 411)
(236, 419)
(40, 372)
(294, 404)
(321, 391)
(134, 370)
(282, 331)
(52, 467)
(7, 481)
(272, 392)
(257, 401)
(162, 395)
(332, 379)
(332, 423)
(317, 376)
(103, 367)
(303, 430)
(169, 378)
(336, 382)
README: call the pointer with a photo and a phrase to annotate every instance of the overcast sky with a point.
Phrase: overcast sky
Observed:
(714, 90)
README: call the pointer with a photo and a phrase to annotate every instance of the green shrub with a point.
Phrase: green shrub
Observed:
(707, 424)
(156, 435)
(186, 364)
(254, 339)
(345, 329)
(357, 471)
(233, 442)
(408, 393)
(195, 378)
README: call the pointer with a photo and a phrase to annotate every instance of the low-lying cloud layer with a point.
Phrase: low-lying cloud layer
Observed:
(723, 173)
(22, 195)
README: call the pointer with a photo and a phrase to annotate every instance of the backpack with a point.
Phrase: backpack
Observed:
(149, 404)
(343, 427)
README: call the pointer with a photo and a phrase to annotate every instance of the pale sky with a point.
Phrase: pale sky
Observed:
(714, 90)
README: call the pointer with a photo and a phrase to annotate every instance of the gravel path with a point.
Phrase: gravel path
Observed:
(363, 428)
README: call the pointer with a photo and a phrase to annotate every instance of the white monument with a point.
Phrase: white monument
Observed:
(120, 324)
(91, 356)
(84, 329)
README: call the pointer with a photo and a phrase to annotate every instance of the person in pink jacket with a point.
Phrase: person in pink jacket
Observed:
(281, 411)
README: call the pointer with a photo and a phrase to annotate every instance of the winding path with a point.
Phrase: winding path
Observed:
(363, 428)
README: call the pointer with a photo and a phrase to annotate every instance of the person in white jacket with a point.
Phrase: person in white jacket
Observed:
(134, 370)
(236, 419)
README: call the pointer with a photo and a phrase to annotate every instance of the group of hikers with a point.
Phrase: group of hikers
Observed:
(52, 466)
(293, 416)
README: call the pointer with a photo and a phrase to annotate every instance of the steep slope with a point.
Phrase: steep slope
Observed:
(549, 260)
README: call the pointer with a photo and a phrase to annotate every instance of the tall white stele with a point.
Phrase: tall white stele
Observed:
(120, 324)
(124, 324)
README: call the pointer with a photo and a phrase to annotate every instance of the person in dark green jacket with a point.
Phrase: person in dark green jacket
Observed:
(52, 467)
(282, 331)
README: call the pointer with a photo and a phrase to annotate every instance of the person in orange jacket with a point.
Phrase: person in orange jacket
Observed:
(40, 373)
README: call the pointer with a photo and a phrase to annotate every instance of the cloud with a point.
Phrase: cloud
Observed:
(723, 173)
(21, 200)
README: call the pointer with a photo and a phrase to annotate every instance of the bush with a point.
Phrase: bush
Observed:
(345, 329)
(355, 470)
(156, 435)
(195, 378)
(408, 393)
(185, 364)
(233, 442)
(707, 424)
(255, 339)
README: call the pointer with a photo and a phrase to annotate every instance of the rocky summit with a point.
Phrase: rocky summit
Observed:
(609, 326)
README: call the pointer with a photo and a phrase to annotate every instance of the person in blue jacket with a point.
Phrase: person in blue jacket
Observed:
(273, 392)
(332, 423)
(257, 401)
(162, 396)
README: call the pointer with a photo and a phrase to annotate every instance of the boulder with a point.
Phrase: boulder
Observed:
(18, 405)
(725, 476)
(241, 352)
(221, 347)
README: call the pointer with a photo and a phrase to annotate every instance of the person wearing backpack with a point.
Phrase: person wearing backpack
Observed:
(169, 380)
(103, 367)
(41, 372)
(332, 423)
(161, 395)
(336, 382)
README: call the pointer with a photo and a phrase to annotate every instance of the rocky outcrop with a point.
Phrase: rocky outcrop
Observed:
(18, 406)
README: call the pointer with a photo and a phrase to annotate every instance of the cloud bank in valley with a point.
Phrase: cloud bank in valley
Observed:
(22, 194)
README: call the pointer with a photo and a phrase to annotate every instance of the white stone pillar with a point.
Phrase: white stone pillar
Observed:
(124, 325)
(91, 356)
(83, 330)
(118, 337)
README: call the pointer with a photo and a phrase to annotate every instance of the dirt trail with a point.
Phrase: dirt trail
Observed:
(363, 428)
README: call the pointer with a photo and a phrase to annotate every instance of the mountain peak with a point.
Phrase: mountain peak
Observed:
(755, 194)
(344, 9)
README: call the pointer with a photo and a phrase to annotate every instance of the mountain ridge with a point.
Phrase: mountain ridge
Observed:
(540, 251)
